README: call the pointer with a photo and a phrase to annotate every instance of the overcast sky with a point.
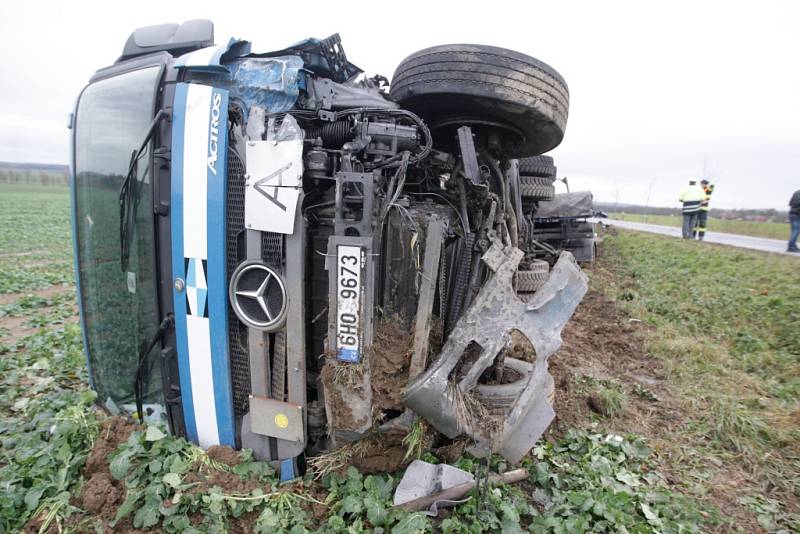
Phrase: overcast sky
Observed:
(659, 93)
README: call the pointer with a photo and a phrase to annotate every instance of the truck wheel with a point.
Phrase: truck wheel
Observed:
(536, 188)
(537, 166)
(532, 278)
(498, 398)
(519, 97)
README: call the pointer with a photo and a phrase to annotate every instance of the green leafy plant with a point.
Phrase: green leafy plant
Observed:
(605, 484)
(47, 427)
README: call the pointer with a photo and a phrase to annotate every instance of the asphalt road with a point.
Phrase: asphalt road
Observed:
(735, 240)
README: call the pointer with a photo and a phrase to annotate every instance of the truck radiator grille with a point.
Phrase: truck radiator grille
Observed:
(237, 333)
(272, 252)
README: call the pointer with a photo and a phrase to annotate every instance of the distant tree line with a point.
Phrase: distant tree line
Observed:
(33, 174)
(761, 215)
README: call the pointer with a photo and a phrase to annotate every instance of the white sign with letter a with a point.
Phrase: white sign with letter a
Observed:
(274, 179)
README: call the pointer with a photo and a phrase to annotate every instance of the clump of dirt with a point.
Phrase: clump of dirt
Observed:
(223, 454)
(386, 362)
(333, 374)
(451, 452)
(380, 453)
(206, 478)
(100, 492)
(101, 495)
(389, 360)
(113, 432)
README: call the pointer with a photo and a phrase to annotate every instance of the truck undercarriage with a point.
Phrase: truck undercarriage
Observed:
(338, 256)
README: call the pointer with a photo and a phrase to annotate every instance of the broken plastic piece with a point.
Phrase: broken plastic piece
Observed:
(422, 479)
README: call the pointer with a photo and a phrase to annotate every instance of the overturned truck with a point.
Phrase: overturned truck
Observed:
(274, 251)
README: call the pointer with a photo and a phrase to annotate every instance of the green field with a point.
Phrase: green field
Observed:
(725, 325)
(726, 341)
(770, 230)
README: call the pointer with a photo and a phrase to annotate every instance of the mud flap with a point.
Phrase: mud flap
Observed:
(442, 399)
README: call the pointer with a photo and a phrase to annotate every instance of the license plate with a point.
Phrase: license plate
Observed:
(349, 265)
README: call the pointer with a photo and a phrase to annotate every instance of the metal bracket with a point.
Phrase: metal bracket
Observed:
(468, 155)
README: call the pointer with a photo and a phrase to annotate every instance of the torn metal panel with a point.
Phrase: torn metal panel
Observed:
(331, 95)
(488, 322)
(212, 58)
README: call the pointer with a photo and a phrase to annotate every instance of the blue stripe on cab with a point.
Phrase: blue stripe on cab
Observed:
(178, 264)
(217, 267)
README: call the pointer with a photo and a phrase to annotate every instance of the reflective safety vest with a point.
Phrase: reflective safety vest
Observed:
(691, 196)
(706, 197)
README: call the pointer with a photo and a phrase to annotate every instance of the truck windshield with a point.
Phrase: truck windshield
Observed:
(120, 311)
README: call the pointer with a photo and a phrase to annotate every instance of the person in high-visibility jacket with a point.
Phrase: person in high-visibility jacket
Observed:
(702, 217)
(691, 196)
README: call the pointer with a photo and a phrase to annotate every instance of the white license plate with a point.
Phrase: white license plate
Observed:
(349, 264)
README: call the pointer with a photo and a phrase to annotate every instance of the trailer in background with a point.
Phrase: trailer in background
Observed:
(563, 223)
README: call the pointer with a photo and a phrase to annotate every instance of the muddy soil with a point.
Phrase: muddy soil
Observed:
(17, 329)
(382, 454)
(601, 344)
(389, 359)
(102, 494)
(333, 376)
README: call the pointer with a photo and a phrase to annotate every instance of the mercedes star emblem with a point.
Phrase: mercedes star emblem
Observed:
(258, 296)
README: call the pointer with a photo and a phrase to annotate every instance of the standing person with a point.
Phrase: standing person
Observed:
(691, 196)
(702, 217)
(794, 220)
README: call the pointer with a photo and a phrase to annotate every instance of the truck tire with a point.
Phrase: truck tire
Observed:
(498, 398)
(542, 171)
(536, 188)
(537, 166)
(489, 86)
(532, 278)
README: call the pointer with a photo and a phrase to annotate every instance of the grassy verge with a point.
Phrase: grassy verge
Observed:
(770, 230)
(726, 329)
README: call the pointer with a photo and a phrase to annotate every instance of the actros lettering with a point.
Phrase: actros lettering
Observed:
(216, 100)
